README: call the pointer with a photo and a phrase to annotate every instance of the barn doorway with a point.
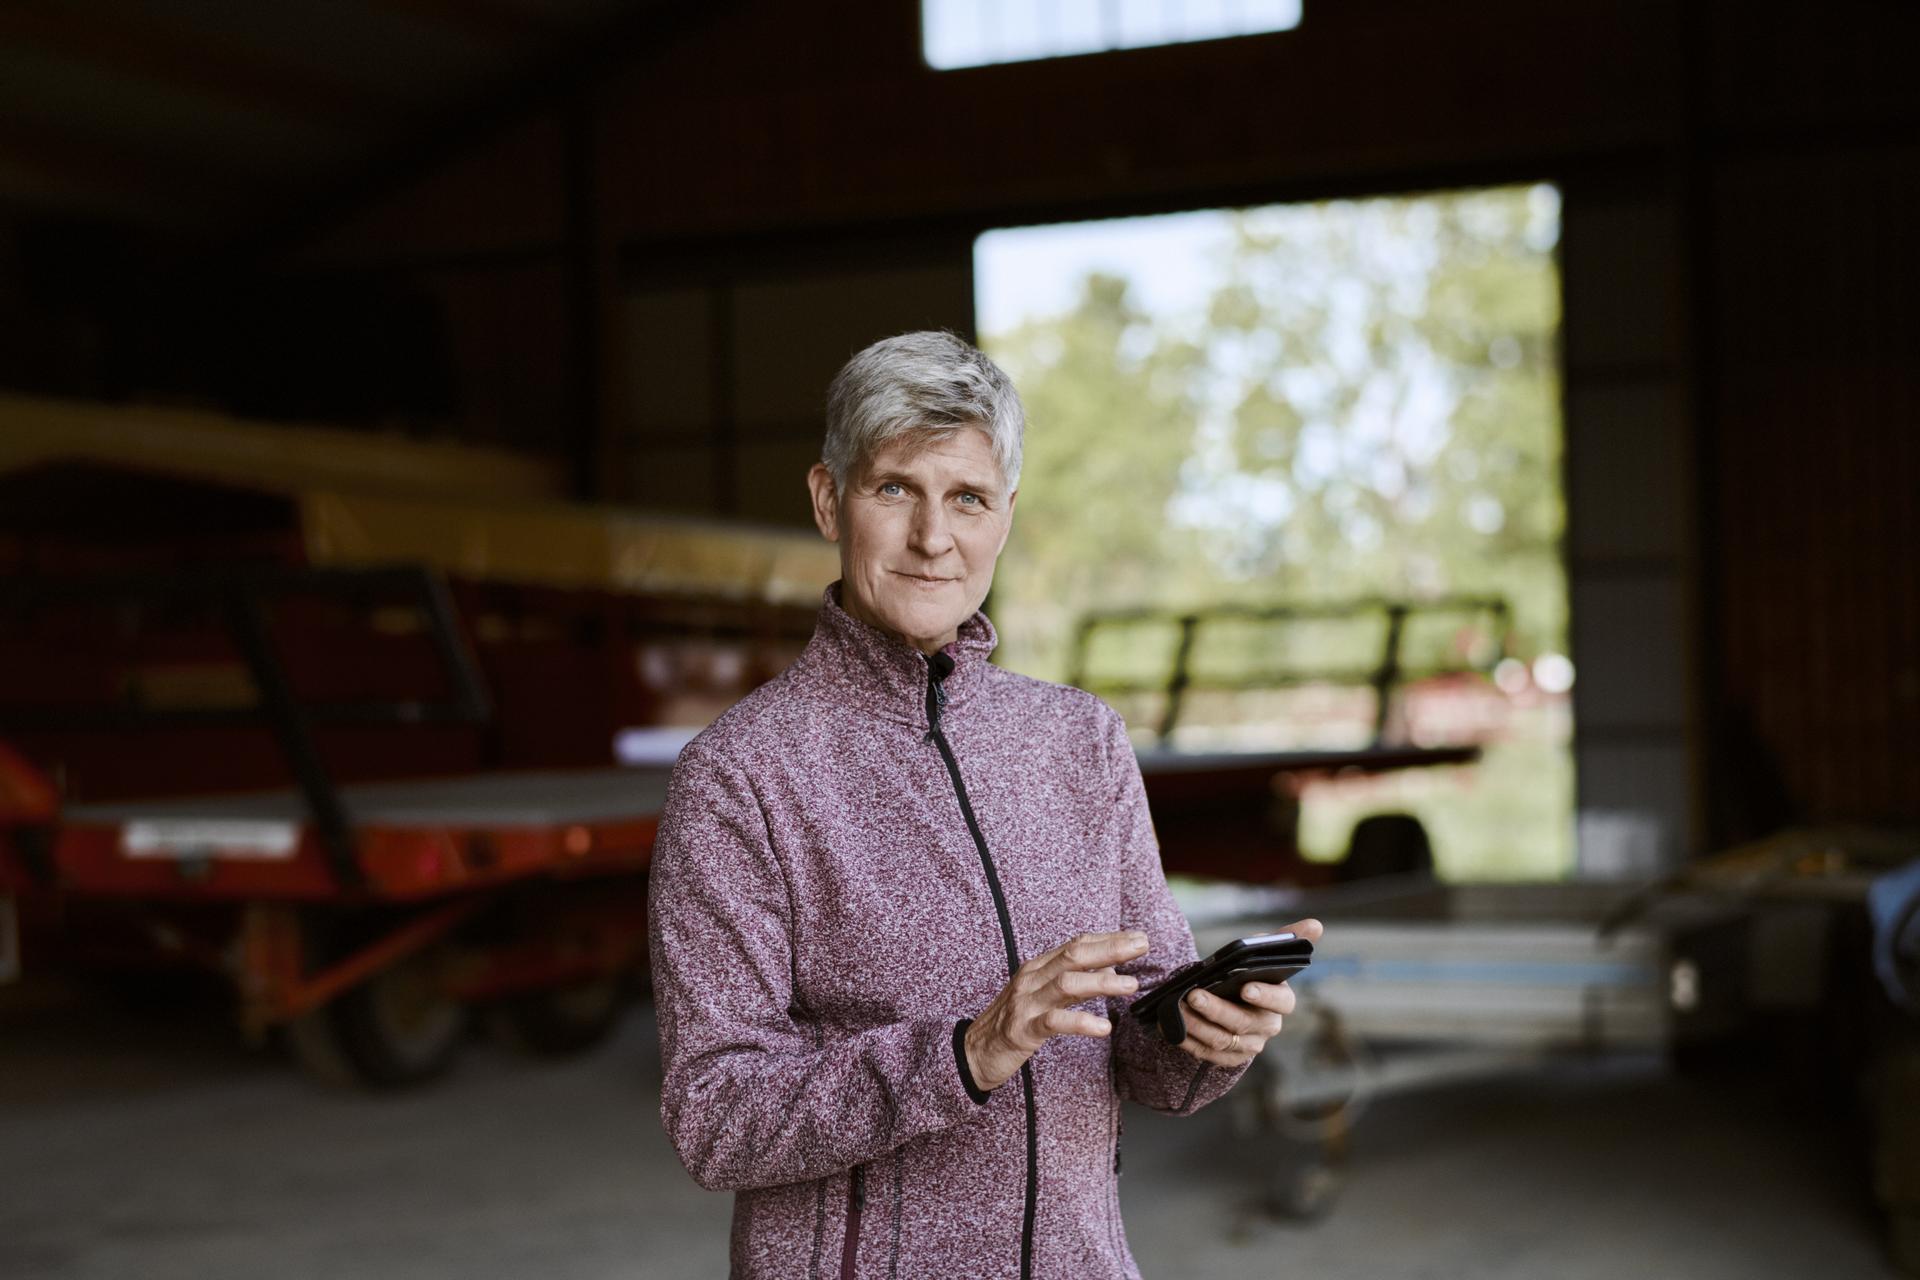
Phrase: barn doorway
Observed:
(1292, 420)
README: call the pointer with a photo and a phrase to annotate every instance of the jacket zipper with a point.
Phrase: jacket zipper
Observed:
(939, 667)
(1114, 1233)
(856, 1201)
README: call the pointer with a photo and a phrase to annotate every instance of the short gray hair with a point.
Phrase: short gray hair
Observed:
(929, 382)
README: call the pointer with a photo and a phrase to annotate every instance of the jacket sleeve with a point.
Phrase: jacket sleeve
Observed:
(1148, 1070)
(753, 1094)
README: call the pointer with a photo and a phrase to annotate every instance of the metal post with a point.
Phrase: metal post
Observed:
(289, 722)
(1177, 682)
(1388, 675)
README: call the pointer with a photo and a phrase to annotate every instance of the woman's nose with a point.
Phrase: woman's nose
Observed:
(929, 534)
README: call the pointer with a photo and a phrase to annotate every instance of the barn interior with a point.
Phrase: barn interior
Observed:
(405, 409)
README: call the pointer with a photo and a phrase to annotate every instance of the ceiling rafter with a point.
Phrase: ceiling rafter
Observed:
(141, 158)
(73, 160)
(637, 30)
(188, 60)
(488, 21)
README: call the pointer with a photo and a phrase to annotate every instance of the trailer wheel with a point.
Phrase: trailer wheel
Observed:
(558, 1021)
(1386, 844)
(315, 1045)
(1305, 1191)
(396, 1029)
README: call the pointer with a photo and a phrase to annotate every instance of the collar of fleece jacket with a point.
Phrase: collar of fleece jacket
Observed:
(883, 672)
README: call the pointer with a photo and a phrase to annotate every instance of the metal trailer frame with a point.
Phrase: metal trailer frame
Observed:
(1233, 814)
(429, 857)
(494, 888)
(1420, 984)
(1386, 675)
(240, 597)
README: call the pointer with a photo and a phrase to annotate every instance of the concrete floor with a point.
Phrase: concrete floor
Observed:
(153, 1145)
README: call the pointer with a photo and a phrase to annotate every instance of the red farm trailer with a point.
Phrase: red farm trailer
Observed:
(356, 750)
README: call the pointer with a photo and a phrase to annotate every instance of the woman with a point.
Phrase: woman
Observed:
(901, 897)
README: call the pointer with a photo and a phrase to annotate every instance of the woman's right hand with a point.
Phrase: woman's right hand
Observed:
(1035, 1005)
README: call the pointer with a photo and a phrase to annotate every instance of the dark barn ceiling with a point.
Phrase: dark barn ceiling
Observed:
(213, 118)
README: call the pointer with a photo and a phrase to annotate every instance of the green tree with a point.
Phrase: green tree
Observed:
(1113, 413)
(1368, 405)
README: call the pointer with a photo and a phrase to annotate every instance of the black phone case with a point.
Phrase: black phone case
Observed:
(1268, 958)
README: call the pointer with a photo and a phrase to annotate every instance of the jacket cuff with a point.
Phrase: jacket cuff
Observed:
(974, 1091)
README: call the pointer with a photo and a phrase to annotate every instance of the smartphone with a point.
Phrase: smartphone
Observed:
(1269, 958)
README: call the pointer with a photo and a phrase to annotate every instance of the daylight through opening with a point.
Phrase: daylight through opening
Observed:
(1292, 482)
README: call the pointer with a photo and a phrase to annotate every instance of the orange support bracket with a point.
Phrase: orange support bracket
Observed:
(274, 983)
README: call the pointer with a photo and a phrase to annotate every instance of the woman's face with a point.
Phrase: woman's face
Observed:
(919, 529)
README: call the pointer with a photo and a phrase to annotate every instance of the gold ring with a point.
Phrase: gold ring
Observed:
(1233, 1043)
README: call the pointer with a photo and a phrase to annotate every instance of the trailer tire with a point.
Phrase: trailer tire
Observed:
(1386, 844)
(315, 1045)
(393, 1031)
(399, 1029)
(557, 1022)
(1305, 1191)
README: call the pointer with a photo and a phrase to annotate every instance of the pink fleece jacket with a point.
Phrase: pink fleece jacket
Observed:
(851, 861)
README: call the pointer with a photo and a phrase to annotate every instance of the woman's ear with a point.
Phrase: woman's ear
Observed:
(826, 501)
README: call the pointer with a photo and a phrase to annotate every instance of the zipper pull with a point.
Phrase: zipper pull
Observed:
(860, 1186)
(939, 666)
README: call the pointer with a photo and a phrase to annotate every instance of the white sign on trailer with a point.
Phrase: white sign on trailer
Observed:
(239, 838)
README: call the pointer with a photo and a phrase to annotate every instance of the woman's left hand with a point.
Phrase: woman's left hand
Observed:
(1231, 1033)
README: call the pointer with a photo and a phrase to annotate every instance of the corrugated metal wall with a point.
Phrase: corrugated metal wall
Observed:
(1816, 486)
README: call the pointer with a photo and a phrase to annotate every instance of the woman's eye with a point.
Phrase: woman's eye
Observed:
(970, 499)
(891, 489)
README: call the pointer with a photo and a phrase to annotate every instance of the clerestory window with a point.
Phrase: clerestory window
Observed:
(977, 33)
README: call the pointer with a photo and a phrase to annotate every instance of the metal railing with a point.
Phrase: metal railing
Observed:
(240, 599)
(1384, 676)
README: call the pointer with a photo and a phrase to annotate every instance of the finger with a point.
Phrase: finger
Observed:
(1247, 1019)
(1228, 1046)
(1039, 970)
(1074, 1022)
(1265, 1027)
(1226, 1055)
(1275, 997)
(1208, 1032)
(1055, 957)
(1225, 1012)
(1073, 987)
(1198, 1049)
(1100, 950)
(1310, 929)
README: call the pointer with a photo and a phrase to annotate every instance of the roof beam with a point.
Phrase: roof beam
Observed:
(188, 59)
(51, 164)
(635, 31)
(488, 21)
